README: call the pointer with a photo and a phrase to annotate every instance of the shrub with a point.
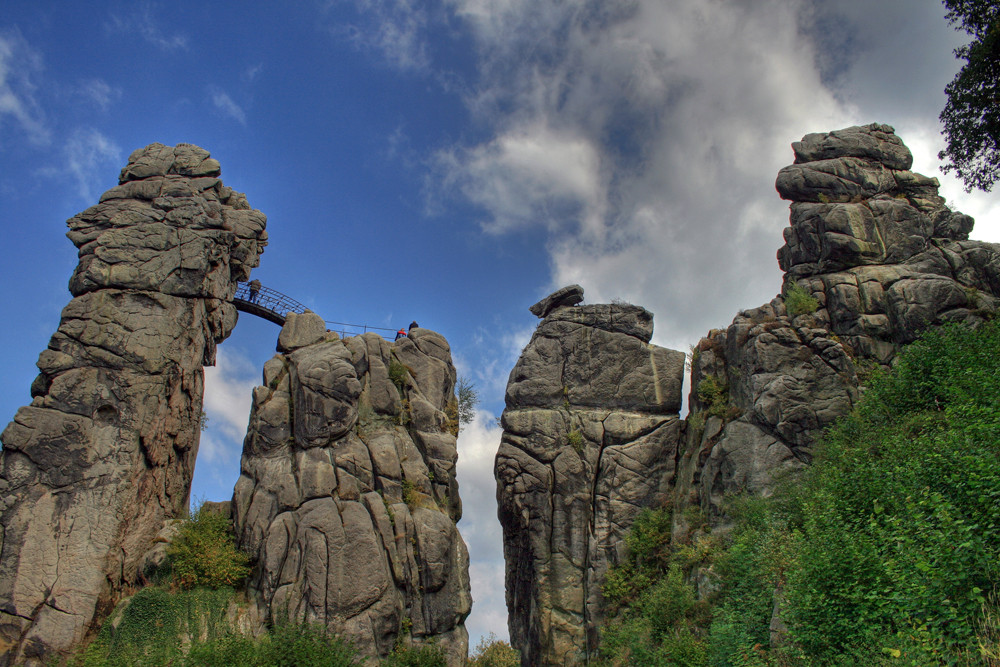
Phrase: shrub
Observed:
(204, 553)
(153, 627)
(493, 652)
(889, 544)
(424, 655)
(714, 394)
(468, 399)
(575, 440)
(398, 374)
(799, 301)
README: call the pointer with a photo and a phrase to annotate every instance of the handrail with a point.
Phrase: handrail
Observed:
(274, 306)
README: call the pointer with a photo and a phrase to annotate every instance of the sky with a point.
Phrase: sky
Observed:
(452, 162)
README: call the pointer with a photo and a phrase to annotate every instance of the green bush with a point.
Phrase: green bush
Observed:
(424, 655)
(799, 301)
(714, 394)
(493, 652)
(204, 553)
(398, 374)
(887, 548)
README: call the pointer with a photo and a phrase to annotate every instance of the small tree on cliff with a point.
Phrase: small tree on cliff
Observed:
(971, 116)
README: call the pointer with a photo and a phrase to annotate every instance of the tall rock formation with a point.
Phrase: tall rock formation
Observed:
(872, 257)
(590, 438)
(105, 452)
(347, 496)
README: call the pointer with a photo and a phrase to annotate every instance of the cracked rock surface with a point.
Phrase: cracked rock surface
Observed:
(103, 456)
(883, 257)
(590, 435)
(590, 438)
(347, 497)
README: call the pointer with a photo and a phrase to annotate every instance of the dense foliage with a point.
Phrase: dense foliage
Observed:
(971, 115)
(885, 551)
(204, 553)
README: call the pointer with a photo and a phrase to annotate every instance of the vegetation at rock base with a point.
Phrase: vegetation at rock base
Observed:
(971, 116)
(493, 652)
(204, 553)
(186, 620)
(425, 655)
(886, 551)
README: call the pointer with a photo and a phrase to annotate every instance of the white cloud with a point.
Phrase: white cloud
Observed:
(224, 103)
(250, 73)
(91, 156)
(19, 64)
(228, 388)
(139, 20)
(477, 447)
(644, 137)
(531, 175)
(99, 93)
(391, 28)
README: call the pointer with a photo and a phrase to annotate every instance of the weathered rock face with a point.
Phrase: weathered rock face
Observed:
(347, 495)
(883, 258)
(105, 452)
(590, 438)
(874, 257)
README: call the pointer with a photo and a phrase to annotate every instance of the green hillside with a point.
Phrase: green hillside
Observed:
(886, 551)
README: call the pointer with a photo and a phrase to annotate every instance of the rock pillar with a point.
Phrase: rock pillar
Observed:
(347, 496)
(105, 452)
(590, 437)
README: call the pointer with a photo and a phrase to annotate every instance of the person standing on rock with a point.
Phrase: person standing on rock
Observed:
(254, 290)
(413, 325)
(400, 334)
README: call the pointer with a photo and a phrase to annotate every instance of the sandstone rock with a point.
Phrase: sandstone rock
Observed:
(589, 432)
(566, 296)
(347, 497)
(882, 267)
(301, 330)
(98, 463)
(590, 437)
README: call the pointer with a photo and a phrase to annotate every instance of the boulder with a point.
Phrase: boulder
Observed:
(566, 296)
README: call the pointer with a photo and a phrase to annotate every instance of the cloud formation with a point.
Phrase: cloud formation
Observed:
(90, 156)
(477, 447)
(19, 65)
(225, 104)
(228, 388)
(644, 137)
(393, 29)
(99, 93)
(139, 20)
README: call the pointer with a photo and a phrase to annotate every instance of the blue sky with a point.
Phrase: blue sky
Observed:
(452, 161)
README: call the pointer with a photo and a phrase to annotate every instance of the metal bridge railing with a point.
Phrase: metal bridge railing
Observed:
(275, 306)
